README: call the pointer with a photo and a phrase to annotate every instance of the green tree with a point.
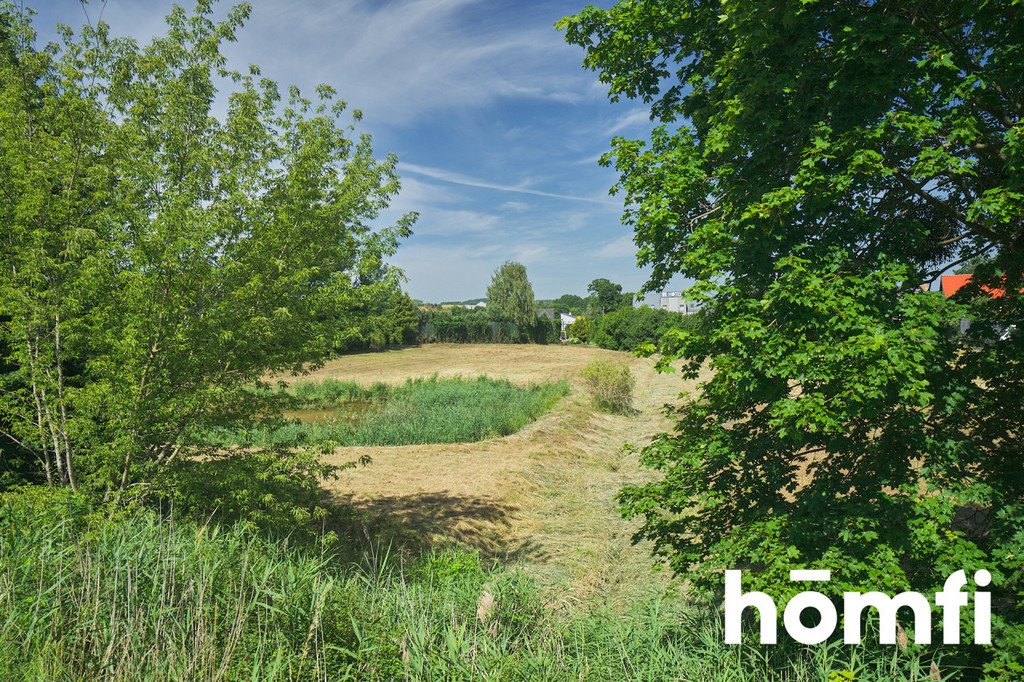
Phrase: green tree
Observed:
(568, 303)
(980, 261)
(510, 296)
(380, 318)
(812, 164)
(630, 328)
(156, 259)
(608, 294)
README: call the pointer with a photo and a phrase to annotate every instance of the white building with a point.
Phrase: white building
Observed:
(672, 301)
(566, 321)
(675, 302)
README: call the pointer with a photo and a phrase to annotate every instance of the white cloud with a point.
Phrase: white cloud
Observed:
(529, 253)
(439, 222)
(617, 248)
(417, 193)
(400, 60)
(472, 90)
(628, 120)
(460, 179)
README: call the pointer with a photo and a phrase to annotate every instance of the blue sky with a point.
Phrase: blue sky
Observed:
(496, 126)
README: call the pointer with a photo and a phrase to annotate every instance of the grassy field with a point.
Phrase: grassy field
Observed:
(522, 364)
(431, 410)
(541, 498)
(502, 559)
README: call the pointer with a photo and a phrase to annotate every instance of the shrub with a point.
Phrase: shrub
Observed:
(628, 328)
(546, 330)
(611, 384)
(580, 330)
(457, 325)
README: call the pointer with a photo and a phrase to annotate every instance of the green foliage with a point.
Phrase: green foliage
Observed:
(420, 411)
(629, 328)
(510, 296)
(580, 330)
(157, 259)
(611, 383)
(546, 330)
(608, 295)
(385, 317)
(132, 596)
(812, 165)
(981, 261)
(566, 303)
(277, 489)
(459, 325)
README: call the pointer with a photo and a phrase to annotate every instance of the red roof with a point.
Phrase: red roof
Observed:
(950, 284)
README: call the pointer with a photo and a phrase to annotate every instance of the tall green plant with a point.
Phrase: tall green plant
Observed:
(155, 257)
(510, 296)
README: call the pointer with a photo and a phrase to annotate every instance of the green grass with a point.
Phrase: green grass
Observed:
(87, 595)
(420, 411)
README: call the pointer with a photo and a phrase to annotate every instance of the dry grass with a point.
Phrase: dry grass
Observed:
(543, 496)
(520, 364)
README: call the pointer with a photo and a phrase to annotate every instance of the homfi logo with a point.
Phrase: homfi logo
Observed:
(951, 599)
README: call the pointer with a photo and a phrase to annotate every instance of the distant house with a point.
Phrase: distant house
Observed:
(476, 306)
(950, 284)
(546, 312)
(675, 302)
(672, 301)
(566, 321)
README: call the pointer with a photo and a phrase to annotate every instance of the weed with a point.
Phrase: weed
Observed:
(611, 384)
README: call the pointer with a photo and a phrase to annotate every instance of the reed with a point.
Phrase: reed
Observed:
(92, 595)
(431, 410)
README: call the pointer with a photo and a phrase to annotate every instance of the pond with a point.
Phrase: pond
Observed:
(351, 411)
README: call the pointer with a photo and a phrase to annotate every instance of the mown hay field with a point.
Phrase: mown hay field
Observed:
(542, 497)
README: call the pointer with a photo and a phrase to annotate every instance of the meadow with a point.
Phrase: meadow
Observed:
(422, 410)
(495, 559)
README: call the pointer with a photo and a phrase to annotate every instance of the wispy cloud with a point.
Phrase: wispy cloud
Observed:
(454, 223)
(628, 120)
(400, 60)
(617, 248)
(486, 106)
(460, 179)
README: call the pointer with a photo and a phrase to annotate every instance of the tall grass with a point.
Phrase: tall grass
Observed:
(420, 411)
(87, 596)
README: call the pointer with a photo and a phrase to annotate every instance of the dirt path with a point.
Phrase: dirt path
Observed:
(544, 496)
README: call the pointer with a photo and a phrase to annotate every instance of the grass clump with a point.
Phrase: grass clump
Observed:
(611, 385)
(420, 411)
